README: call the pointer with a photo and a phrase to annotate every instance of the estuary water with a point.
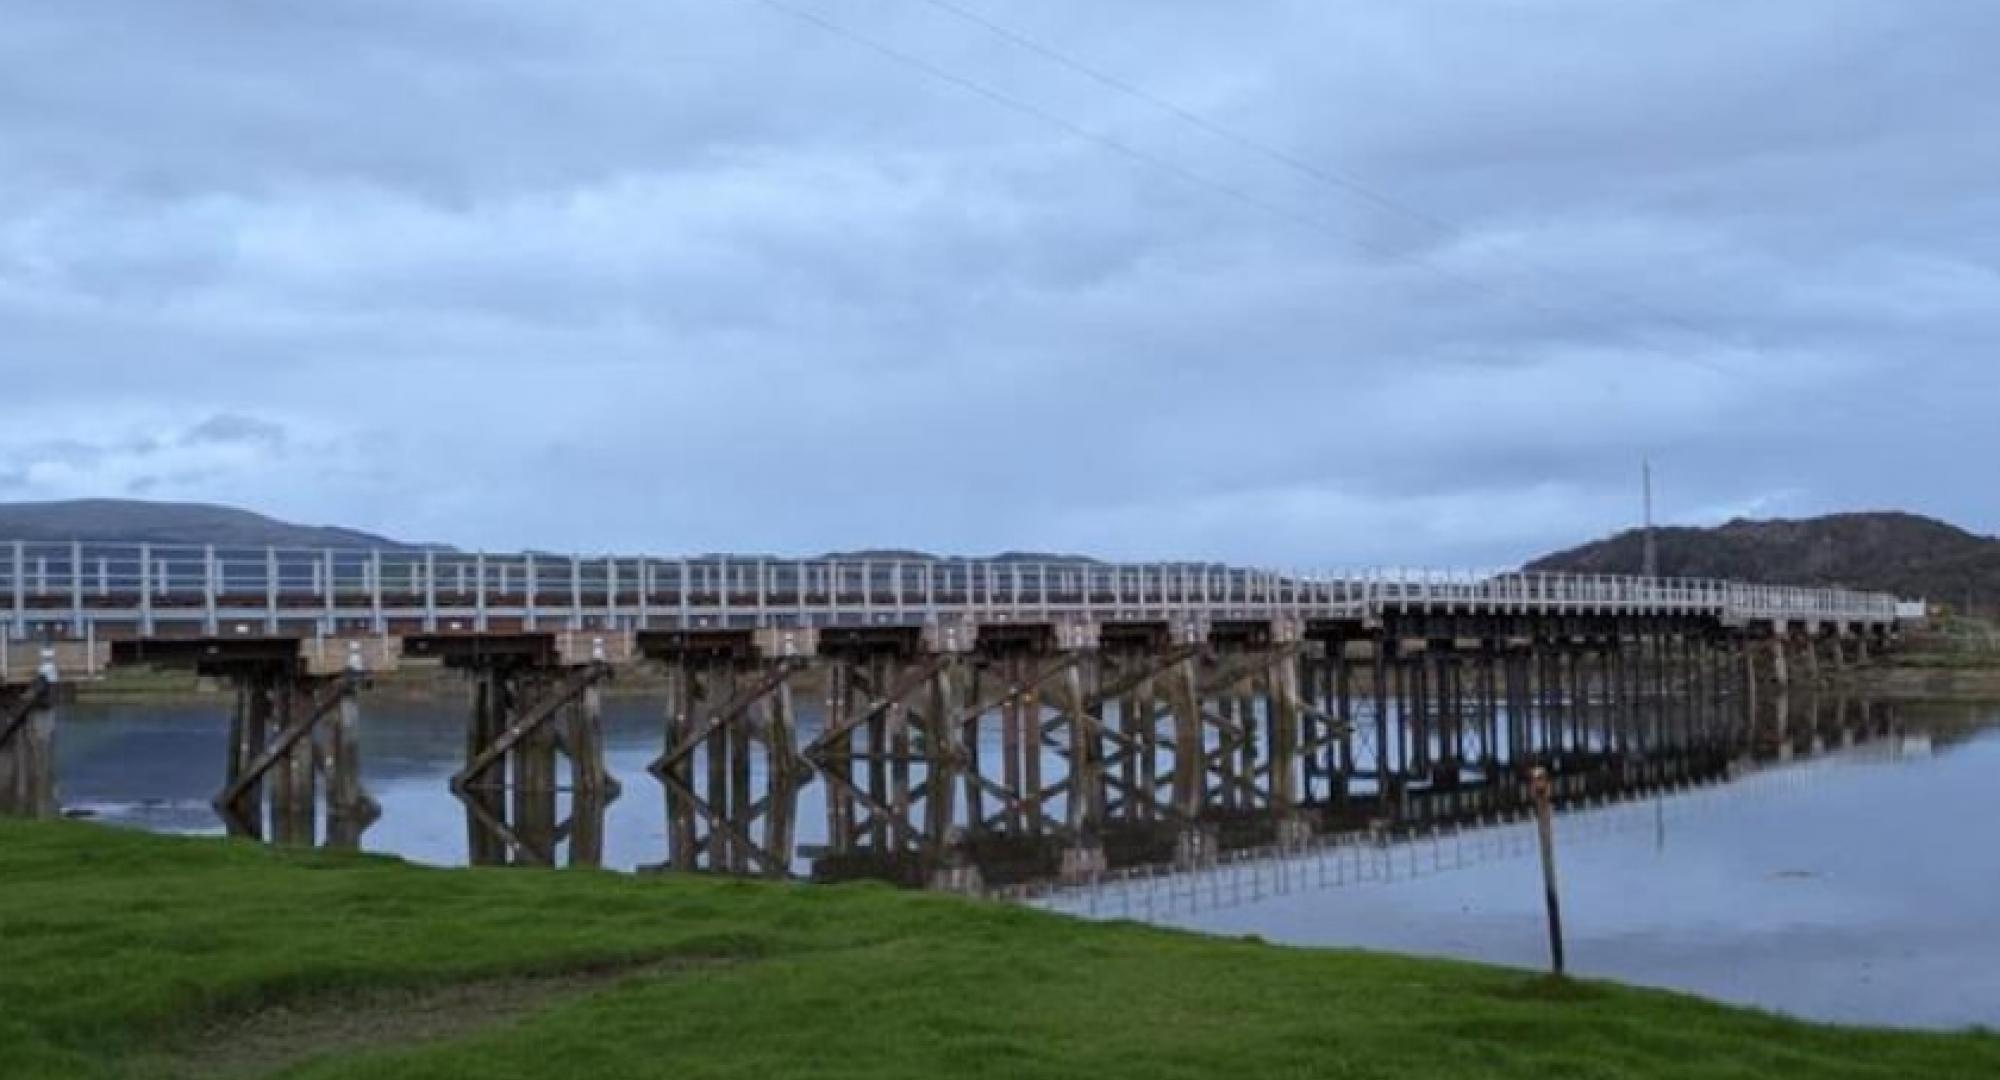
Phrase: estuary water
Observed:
(1842, 876)
(1860, 887)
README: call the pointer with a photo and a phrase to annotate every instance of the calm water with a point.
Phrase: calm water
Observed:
(1858, 884)
(1864, 887)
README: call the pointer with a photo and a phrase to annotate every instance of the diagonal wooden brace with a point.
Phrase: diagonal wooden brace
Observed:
(15, 713)
(718, 822)
(498, 827)
(1258, 666)
(1154, 668)
(722, 714)
(274, 751)
(912, 679)
(534, 716)
(852, 790)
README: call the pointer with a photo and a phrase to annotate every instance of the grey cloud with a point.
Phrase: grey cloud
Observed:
(697, 276)
(230, 428)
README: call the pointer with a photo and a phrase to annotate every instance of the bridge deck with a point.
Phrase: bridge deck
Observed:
(99, 592)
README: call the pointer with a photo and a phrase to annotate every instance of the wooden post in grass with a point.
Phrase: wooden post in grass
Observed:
(1545, 826)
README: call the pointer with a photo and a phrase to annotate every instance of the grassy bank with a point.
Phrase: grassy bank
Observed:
(129, 954)
(1951, 659)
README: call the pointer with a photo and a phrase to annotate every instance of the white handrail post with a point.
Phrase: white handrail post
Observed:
(375, 591)
(18, 624)
(896, 587)
(685, 590)
(479, 592)
(76, 587)
(208, 590)
(430, 592)
(529, 582)
(327, 591)
(646, 592)
(575, 591)
(270, 590)
(611, 592)
(146, 590)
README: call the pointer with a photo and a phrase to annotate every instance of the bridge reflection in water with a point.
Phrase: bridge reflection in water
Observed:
(735, 806)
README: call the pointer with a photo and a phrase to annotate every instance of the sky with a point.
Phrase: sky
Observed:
(1304, 283)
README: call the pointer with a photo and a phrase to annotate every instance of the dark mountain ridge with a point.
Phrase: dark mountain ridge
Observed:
(1912, 556)
(133, 521)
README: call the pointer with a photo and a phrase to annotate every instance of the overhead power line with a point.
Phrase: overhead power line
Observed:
(1350, 184)
(1108, 142)
(1209, 184)
(1320, 173)
(1213, 186)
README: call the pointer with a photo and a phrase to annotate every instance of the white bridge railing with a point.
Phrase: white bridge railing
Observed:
(141, 589)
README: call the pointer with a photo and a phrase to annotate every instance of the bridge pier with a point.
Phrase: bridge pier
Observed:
(1387, 779)
(1127, 676)
(27, 744)
(1340, 715)
(294, 747)
(1247, 692)
(1446, 772)
(1491, 739)
(1515, 675)
(536, 700)
(1416, 706)
(1082, 714)
(906, 717)
(729, 698)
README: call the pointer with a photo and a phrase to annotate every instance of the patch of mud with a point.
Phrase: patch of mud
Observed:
(271, 1040)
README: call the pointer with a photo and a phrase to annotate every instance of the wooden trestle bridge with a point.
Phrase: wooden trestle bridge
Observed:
(1073, 702)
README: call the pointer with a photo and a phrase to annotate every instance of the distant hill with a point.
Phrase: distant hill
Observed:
(1905, 554)
(136, 522)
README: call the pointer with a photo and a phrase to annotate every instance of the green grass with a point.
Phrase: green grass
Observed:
(119, 950)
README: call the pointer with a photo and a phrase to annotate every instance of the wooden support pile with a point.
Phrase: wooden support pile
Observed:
(526, 719)
(27, 749)
(722, 709)
(289, 736)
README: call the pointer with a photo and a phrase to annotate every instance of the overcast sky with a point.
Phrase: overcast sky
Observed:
(1425, 284)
